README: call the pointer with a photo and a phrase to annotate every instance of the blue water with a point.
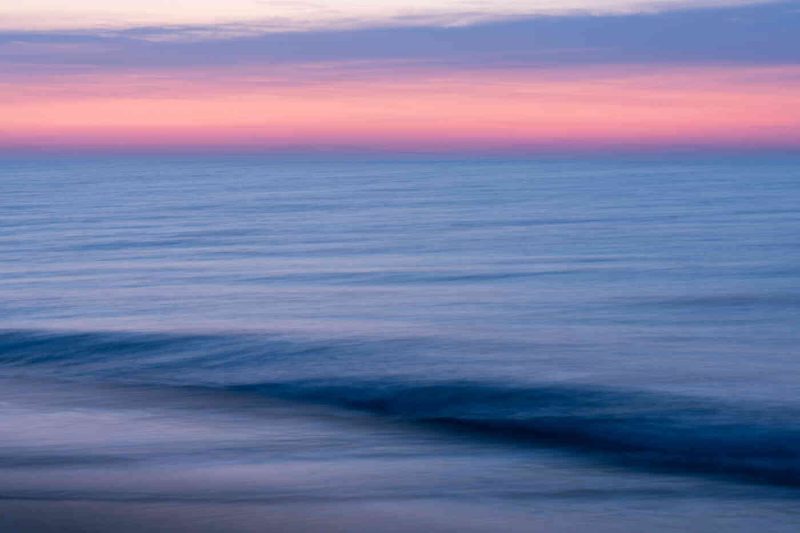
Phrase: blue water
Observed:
(283, 344)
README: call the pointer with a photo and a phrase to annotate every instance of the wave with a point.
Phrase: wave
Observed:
(628, 427)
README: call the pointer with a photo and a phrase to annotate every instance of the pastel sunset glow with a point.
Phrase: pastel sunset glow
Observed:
(399, 75)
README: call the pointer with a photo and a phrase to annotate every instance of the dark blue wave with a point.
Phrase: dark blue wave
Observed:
(654, 430)
(628, 427)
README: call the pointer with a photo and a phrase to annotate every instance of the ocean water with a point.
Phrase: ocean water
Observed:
(278, 344)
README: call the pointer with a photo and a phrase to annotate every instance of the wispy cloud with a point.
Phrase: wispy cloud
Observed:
(226, 16)
(752, 35)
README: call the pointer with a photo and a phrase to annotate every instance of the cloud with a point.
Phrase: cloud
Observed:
(764, 34)
(303, 15)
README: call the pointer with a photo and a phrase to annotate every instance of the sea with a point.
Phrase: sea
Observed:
(226, 343)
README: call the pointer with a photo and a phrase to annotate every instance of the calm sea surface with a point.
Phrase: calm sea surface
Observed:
(265, 344)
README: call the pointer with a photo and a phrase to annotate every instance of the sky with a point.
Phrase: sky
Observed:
(399, 75)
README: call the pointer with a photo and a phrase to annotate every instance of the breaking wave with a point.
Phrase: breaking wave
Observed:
(628, 427)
